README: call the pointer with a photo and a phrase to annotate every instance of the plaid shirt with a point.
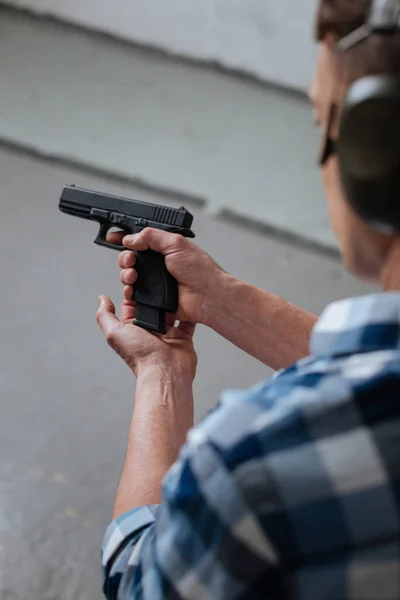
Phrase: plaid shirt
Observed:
(290, 490)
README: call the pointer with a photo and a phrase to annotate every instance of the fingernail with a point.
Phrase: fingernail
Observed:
(126, 261)
(99, 300)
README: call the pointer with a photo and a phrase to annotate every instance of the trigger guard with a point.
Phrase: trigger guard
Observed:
(101, 238)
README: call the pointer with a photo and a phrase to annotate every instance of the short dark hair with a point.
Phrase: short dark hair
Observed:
(340, 17)
(379, 54)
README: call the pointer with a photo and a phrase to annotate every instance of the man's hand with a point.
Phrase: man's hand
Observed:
(142, 350)
(198, 275)
(262, 324)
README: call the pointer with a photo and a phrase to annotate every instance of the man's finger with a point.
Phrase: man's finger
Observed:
(127, 259)
(128, 311)
(155, 239)
(115, 237)
(128, 292)
(128, 276)
(106, 318)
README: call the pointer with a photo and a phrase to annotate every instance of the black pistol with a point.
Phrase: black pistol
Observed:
(156, 291)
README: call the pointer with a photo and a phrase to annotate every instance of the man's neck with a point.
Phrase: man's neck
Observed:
(390, 278)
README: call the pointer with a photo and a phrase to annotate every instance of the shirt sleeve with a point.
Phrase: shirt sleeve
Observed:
(204, 541)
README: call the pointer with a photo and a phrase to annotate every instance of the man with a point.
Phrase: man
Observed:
(292, 489)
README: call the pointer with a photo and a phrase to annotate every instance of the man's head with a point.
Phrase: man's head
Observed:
(365, 251)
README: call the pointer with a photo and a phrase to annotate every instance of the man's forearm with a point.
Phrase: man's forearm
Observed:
(162, 417)
(272, 330)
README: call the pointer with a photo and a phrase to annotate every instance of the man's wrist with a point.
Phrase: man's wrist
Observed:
(166, 387)
(156, 372)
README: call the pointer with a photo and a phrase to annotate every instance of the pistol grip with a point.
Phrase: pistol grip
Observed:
(156, 291)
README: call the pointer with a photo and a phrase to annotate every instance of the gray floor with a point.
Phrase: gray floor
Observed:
(66, 400)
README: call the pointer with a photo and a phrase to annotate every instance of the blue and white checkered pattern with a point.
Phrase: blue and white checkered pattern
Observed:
(290, 490)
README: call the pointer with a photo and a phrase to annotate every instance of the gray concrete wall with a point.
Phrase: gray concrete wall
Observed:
(238, 145)
(272, 40)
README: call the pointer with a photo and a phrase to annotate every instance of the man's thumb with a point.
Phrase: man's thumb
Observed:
(154, 239)
(106, 317)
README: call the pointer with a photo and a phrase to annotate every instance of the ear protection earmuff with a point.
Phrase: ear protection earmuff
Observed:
(368, 145)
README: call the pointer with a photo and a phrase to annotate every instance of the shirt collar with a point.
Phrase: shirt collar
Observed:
(364, 324)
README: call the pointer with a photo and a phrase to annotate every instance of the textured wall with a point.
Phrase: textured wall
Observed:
(238, 145)
(269, 39)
